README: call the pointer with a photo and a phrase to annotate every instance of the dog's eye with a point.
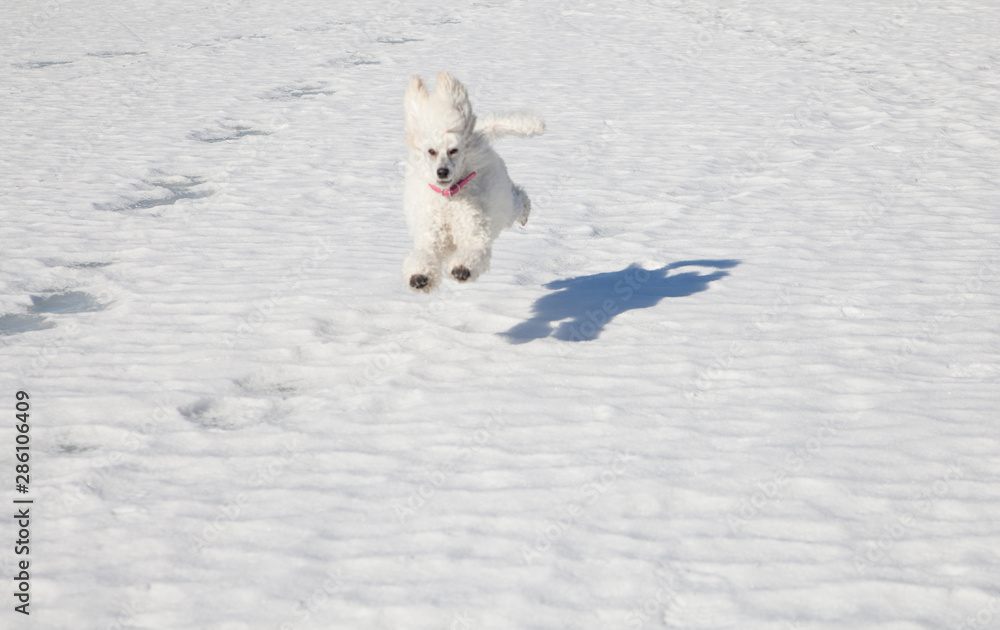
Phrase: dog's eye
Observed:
(452, 151)
(432, 152)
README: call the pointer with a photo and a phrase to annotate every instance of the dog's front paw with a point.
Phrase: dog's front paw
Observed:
(422, 270)
(420, 282)
(460, 273)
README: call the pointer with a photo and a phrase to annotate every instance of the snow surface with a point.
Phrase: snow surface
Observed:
(740, 370)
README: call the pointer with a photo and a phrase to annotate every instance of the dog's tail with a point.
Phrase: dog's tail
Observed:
(521, 124)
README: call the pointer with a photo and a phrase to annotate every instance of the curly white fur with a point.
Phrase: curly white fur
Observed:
(446, 144)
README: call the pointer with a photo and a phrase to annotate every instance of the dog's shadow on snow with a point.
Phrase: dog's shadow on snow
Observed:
(583, 306)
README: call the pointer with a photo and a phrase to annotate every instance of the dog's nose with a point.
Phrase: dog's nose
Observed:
(442, 173)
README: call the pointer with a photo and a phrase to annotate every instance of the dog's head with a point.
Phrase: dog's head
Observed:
(439, 129)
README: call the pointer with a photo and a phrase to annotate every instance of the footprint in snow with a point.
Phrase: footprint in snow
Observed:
(352, 60)
(163, 191)
(269, 382)
(227, 130)
(387, 39)
(72, 449)
(299, 90)
(35, 65)
(68, 302)
(87, 264)
(229, 413)
(111, 54)
(17, 323)
(53, 303)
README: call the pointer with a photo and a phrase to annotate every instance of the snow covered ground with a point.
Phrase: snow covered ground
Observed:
(740, 370)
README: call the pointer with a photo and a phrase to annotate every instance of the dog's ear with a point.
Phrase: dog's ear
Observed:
(453, 90)
(413, 104)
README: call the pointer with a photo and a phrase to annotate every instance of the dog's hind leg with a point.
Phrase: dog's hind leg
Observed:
(521, 202)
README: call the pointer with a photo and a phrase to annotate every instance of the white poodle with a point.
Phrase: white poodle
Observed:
(459, 196)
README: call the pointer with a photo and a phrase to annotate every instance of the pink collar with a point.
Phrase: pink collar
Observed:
(448, 192)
